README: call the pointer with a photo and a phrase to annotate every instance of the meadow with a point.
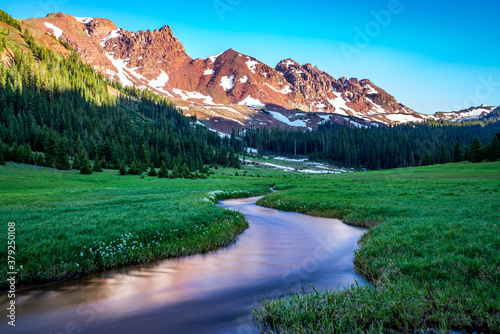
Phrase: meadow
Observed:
(68, 224)
(432, 252)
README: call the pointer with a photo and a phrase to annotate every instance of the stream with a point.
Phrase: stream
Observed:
(210, 293)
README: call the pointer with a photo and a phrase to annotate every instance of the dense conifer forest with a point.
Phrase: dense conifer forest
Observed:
(385, 147)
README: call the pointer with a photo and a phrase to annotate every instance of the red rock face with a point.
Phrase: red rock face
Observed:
(157, 60)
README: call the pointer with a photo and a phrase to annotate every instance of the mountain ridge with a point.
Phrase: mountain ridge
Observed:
(230, 89)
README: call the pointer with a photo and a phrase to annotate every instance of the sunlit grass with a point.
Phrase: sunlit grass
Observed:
(433, 252)
(69, 224)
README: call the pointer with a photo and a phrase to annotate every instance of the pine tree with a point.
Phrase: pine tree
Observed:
(97, 166)
(2, 159)
(62, 159)
(134, 169)
(427, 159)
(457, 153)
(77, 162)
(477, 151)
(123, 168)
(152, 170)
(175, 172)
(442, 155)
(86, 167)
(163, 173)
(494, 149)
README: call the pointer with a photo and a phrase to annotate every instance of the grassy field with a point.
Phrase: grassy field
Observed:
(69, 224)
(432, 253)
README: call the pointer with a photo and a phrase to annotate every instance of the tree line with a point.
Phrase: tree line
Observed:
(384, 147)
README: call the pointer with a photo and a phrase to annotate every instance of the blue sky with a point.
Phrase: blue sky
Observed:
(431, 55)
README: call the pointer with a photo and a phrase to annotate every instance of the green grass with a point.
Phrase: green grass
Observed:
(69, 224)
(432, 253)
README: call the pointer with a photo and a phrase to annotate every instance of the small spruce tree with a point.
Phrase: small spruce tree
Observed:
(77, 162)
(62, 159)
(163, 173)
(86, 166)
(477, 151)
(152, 170)
(123, 168)
(97, 166)
(457, 153)
(133, 169)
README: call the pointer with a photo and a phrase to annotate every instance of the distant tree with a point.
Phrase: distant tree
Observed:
(427, 159)
(175, 172)
(442, 155)
(62, 159)
(477, 151)
(185, 173)
(494, 149)
(457, 153)
(163, 173)
(104, 163)
(2, 159)
(134, 169)
(97, 165)
(86, 166)
(152, 170)
(123, 168)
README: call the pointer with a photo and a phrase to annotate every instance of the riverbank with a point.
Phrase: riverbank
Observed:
(432, 252)
(68, 225)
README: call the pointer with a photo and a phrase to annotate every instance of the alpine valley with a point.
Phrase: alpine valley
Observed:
(230, 90)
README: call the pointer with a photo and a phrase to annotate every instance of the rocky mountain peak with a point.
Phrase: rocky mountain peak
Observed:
(229, 82)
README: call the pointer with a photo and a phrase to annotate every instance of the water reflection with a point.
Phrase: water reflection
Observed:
(211, 293)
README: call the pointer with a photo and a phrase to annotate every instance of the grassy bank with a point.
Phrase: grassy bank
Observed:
(432, 253)
(69, 224)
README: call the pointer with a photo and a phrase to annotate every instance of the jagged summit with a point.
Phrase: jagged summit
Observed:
(229, 86)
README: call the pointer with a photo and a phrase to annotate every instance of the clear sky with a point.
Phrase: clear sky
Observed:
(431, 55)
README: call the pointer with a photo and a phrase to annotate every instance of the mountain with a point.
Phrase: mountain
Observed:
(466, 114)
(228, 90)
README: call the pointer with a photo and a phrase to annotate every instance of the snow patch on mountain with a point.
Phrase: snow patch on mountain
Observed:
(251, 102)
(160, 81)
(214, 57)
(227, 83)
(113, 34)
(121, 67)
(286, 90)
(57, 32)
(377, 109)
(400, 118)
(252, 64)
(208, 72)
(84, 20)
(340, 105)
(244, 79)
(194, 95)
(284, 119)
(369, 89)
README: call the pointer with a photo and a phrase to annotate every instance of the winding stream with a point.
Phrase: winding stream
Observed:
(211, 293)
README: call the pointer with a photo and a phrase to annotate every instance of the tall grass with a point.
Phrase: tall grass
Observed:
(68, 224)
(432, 254)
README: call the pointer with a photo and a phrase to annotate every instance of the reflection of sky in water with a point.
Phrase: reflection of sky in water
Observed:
(278, 251)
